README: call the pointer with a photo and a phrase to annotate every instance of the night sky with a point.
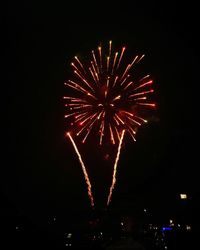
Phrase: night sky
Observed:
(40, 173)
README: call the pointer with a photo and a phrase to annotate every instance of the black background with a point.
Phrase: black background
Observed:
(40, 173)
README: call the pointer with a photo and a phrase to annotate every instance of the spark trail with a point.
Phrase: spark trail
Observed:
(84, 170)
(115, 168)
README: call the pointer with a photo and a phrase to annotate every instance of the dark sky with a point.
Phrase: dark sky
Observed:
(40, 172)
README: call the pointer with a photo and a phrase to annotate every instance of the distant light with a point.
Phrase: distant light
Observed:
(16, 228)
(69, 235)
(165, 247)
(166, 228)
(171, 223)
(183, 196)
(145, 210)
(68, 245)
(54, 219)
(179, 225)
(188, 228)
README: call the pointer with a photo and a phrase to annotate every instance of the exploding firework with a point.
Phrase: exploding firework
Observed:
(107, 99)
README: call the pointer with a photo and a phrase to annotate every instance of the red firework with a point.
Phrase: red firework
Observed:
(106, 98)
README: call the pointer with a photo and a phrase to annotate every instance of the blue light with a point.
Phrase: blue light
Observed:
(166, 229)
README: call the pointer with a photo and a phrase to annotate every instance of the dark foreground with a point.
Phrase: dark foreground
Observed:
(105, 231)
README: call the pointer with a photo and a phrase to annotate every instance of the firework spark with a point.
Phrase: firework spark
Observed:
(84, 170)
(115, 168)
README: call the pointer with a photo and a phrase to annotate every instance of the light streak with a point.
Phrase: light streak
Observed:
(89, 187)
(115, 168)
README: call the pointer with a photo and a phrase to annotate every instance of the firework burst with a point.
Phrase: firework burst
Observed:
(107, 98)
